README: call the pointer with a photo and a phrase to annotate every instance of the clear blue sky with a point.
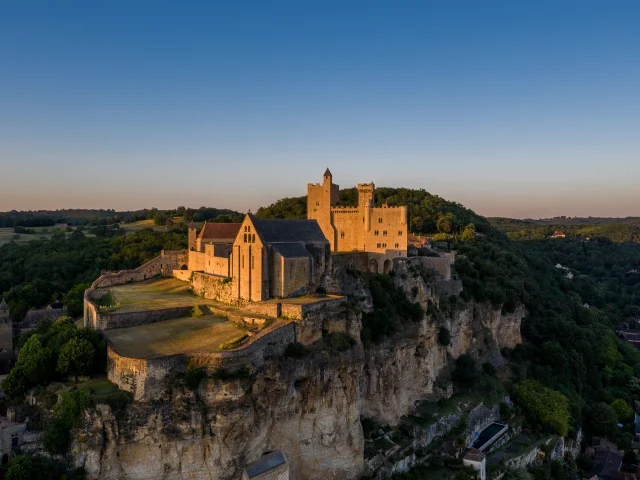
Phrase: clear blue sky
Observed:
(514, 108)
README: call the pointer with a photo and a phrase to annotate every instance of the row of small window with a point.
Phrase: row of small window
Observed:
(384, 233)
(249, 238)
(384, 245)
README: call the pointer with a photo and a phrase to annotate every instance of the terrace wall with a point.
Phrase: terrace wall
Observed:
(212, 287)
(147, 378)
(164, 264)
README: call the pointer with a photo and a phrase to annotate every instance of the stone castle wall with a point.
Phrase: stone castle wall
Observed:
(164, 264)
(212, 287)
(147, 379)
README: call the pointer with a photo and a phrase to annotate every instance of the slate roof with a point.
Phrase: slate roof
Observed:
(265, 463)
(327, 173)
(292, 250)
(605, 463)
(219, 231)
(287, 231)
(34, 316)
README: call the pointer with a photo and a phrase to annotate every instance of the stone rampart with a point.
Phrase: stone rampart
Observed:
(147, 379)
(164, 264)
(212, 287)
(442, 265)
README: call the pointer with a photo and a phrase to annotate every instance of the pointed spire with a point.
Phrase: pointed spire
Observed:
(327, 173)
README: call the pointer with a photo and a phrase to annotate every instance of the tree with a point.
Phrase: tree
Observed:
(76, 357)
(35, 360)
(602, 419)
(543, 406)
(74, 299)
(623, 411)
(469, 232)
(30, 468)
(466, 371)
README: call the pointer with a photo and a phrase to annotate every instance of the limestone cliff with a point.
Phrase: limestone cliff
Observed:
(310, 408)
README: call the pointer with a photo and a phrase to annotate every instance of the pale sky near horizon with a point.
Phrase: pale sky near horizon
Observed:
(519, 109)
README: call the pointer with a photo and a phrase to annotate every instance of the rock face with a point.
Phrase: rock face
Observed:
(310, 408)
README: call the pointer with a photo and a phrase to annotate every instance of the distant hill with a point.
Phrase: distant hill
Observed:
(619, 230)
(48, 218)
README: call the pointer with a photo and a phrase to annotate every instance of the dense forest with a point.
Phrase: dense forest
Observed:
(48, 218)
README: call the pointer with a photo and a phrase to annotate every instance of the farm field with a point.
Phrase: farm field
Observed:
(181, 335)
(7, 235)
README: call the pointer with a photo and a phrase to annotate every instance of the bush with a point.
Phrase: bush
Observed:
(57, 436)
(338, 342)
(444, 337)
(193, 377)
(296, 350)
(543, 406)
(466, 372)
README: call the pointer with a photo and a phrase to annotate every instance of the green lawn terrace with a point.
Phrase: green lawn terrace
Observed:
(153, 294)
(209, 326)
(187, 335)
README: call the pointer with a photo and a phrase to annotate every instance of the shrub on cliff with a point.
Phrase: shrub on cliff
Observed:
(391, 310)
(444, 337)
(57, 436)
(296, 350)
(193, 377)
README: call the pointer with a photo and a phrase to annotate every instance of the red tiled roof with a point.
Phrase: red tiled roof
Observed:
(219, 231)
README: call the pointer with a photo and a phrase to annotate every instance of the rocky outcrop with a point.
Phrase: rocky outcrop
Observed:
(310, 409)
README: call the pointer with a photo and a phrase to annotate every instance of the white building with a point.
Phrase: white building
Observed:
(478, 460)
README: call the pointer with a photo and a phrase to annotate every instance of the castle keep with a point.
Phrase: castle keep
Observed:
(365, 228)
(282, 258)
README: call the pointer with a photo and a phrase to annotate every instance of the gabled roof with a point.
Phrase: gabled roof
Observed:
(219, 231)
(292, 250)
(286, 231)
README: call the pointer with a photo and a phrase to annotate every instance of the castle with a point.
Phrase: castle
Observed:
(266, 258)
(365, 228)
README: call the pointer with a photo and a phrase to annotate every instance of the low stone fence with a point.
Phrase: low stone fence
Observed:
(164, 264)
(147, 378)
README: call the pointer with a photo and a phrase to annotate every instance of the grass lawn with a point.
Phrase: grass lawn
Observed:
(181, 335)
(135, 227)
(98, 385)
(154, 294)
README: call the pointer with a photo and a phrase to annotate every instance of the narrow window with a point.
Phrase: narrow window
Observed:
(253, 238)
(317, 203)
(384, 232)
(399, 233)
(253, 262)
(245, 238)
(379, 219)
